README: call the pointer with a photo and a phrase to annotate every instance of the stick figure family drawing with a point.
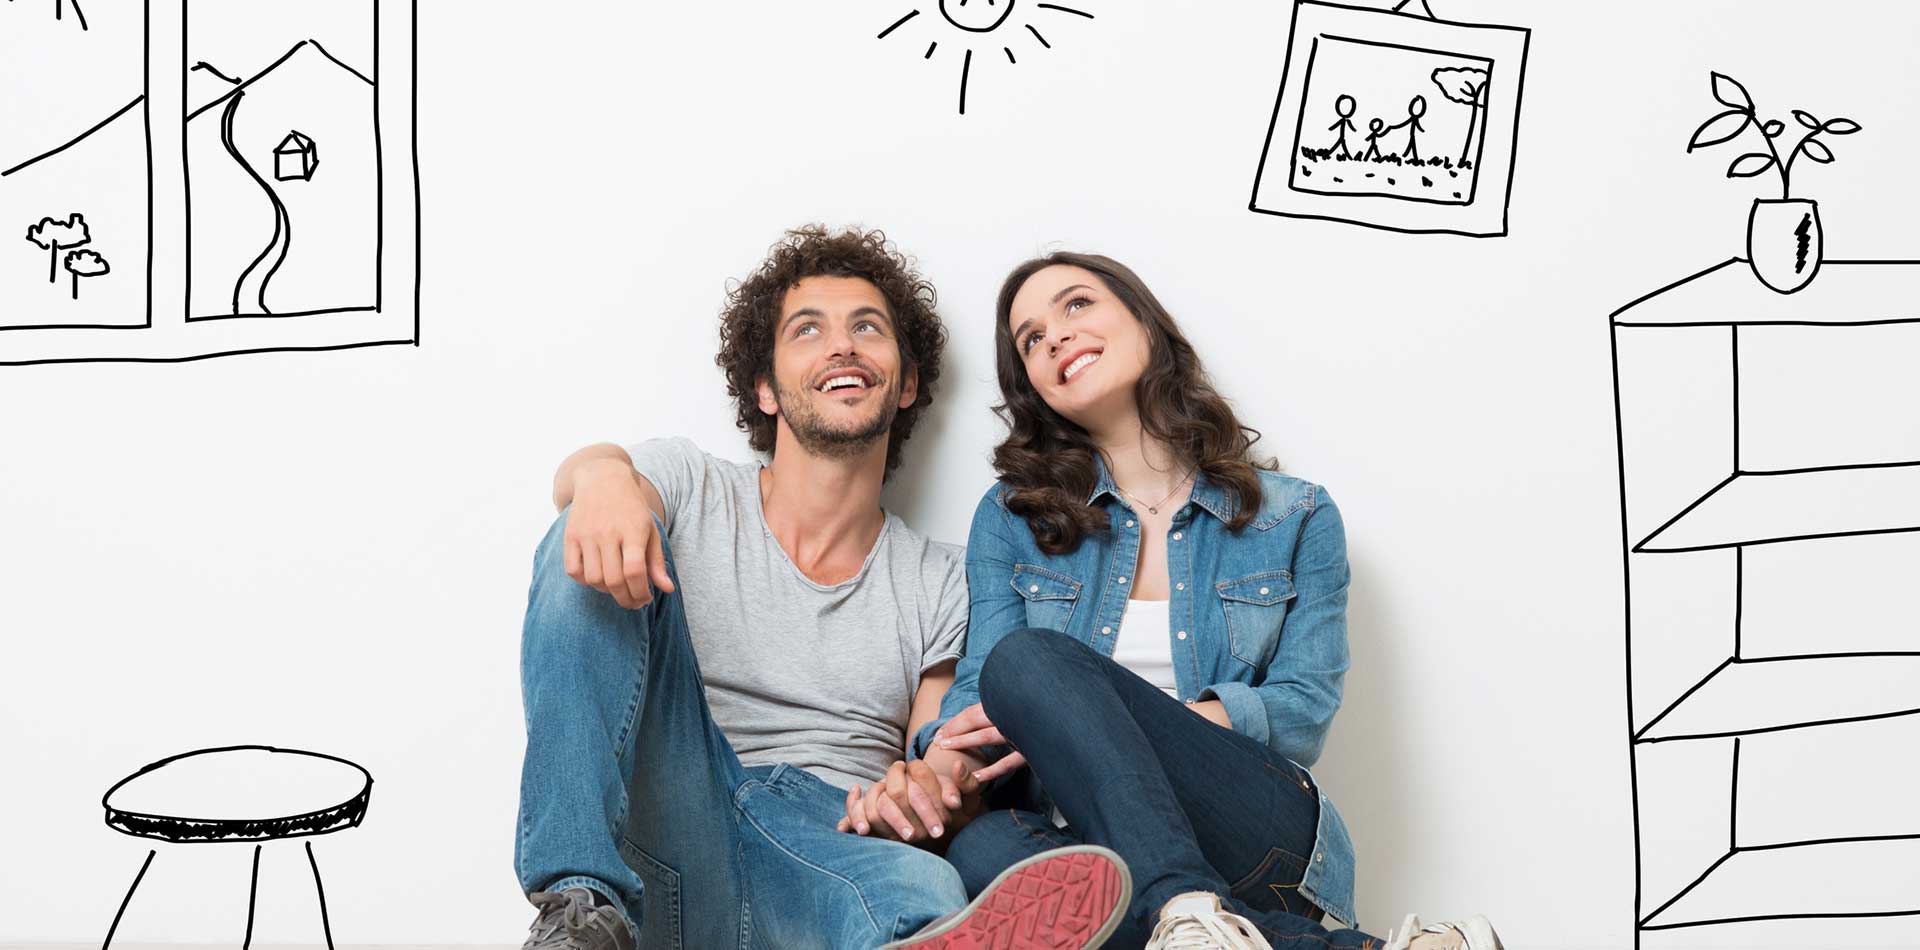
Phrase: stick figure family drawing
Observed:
(1377, 128)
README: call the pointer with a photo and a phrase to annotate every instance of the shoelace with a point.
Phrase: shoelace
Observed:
(1219, 931)
(556, 911)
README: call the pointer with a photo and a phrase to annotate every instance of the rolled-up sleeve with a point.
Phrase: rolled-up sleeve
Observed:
(1290, 705)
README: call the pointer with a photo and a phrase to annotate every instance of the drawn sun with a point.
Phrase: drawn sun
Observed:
(979, 20)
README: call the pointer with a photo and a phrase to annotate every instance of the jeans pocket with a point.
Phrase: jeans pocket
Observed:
(1274, 884)
(659, 897)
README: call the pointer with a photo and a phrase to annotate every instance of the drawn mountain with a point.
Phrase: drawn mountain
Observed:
(283, 183)
(99, 173)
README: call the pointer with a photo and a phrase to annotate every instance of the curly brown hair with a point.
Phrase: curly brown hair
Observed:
(1047, 459)
(753, 309)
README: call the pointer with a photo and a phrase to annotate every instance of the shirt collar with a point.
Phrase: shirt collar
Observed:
(1206, 494)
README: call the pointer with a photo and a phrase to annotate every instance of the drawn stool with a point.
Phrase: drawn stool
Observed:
(239, 793)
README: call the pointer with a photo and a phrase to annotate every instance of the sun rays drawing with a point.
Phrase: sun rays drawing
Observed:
(987, 22)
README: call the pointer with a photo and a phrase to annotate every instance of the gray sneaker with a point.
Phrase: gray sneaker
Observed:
(569, 920)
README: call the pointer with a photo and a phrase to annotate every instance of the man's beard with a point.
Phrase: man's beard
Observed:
(819, 437)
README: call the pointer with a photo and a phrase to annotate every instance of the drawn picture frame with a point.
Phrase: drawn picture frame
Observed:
(1363, 90)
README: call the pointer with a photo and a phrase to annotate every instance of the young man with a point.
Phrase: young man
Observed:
(666, 808)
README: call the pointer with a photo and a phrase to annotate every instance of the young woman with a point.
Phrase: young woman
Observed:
(1157, 637)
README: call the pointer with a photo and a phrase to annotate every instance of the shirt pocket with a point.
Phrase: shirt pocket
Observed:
(1050, 596)
(1255, 608)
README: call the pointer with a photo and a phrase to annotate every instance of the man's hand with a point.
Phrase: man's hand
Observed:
(611, 543)
(915, 803)
(971, 729)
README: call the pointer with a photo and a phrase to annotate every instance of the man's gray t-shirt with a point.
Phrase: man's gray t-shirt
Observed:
(818, 677)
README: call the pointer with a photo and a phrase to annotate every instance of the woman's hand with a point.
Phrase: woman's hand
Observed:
(971, 729)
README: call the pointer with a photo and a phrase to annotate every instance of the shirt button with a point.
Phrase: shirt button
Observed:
(1033, 588)
(1106, 630)
(1189, 702)
(1129, 524)
(1182, 634)
(1180, 586)
(1321, 858)
(1123, 580)
(1177, 535)
(1263, 590)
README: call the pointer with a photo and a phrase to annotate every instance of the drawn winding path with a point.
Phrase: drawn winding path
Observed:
(247, 287)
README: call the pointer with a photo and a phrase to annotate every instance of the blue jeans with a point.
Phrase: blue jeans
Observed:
(629, 788)
(1189, 805)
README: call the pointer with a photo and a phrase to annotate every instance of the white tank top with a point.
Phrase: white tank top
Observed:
(1144, 645)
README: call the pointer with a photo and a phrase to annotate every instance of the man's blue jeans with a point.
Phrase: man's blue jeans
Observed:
(1189, 805)
(629, 788)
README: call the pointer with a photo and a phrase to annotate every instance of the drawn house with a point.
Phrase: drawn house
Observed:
(295, 158)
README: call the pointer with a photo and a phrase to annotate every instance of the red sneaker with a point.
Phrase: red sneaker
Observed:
(1066, 899)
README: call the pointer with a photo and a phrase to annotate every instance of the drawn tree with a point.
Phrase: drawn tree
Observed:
(56, 236)
(84, 264)
(1469, 88)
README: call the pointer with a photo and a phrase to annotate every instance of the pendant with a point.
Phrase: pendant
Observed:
(1152, 510)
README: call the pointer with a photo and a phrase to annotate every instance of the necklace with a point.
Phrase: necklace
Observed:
(1154, 508)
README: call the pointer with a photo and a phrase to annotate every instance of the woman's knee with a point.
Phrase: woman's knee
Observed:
(1026, 666)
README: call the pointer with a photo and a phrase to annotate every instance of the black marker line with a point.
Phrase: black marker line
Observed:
(1739, 597)
(1640, 736)
(1687, 890)
(1690, 278)
(1818, 536)
(256, 77)
(1786, 727)
(376, 50)
(1733, 808)
(379, 171)
(1811, 916)
(78, 13)
(1795, 657)
(930, 48)
(124, 901)
(203, 64)
(253, 891)
(1763, 473)
(1009, 52)
(1037, 36)
(320, 889)
(146, 132)
(208, 356)
(1055, 6)
(77, 139)
(281, 223)
(1814, 842)
(1626, 584)
(965, 66)
(1734, 332)
(281, 315)
(1642, 546)
(896, 24)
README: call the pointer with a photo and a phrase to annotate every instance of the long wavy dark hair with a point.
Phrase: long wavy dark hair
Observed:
(1047, 460)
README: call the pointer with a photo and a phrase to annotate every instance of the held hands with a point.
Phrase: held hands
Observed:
(611, 543)
(916, 802)
(971, 729)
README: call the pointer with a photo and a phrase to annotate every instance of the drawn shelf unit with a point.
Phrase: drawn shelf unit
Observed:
(1770, 477)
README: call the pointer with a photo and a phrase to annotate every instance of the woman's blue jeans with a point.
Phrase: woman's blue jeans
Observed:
(1189, 805)
(629, 788)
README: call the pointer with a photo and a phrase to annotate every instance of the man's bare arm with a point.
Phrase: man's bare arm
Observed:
(611, 542)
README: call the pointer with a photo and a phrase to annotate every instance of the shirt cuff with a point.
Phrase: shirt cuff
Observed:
(1243, 706)
(923, 740)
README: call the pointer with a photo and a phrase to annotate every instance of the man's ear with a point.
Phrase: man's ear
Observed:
(763, 393)
(910, 388)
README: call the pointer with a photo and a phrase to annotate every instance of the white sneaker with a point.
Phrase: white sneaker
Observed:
(1473, 933)
(1196, 921)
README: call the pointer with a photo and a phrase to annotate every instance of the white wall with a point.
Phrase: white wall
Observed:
(329, 551)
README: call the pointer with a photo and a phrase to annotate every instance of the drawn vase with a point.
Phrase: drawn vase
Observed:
(1783, 242)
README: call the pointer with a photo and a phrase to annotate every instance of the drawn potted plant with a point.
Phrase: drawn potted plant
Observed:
(1783, 234)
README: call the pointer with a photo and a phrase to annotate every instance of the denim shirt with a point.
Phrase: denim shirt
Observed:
(1264, 611)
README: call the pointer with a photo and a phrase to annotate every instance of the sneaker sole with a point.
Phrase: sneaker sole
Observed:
(1068, 898)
